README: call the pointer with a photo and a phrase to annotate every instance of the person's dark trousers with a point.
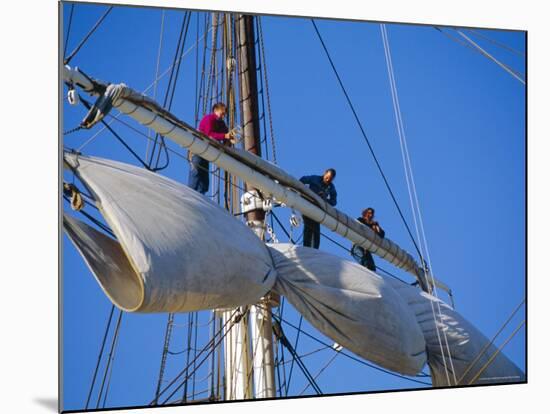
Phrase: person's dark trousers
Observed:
(312, 233)
(368, 261)
(364, 257)
(198, 174)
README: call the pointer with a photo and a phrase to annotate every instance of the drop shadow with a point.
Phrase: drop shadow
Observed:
(49, 403)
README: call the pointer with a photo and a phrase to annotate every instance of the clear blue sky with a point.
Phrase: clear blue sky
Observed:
(465, 123)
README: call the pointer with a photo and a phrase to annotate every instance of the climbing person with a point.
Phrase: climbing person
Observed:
(215, 128)
(321, 185)
(362, 255)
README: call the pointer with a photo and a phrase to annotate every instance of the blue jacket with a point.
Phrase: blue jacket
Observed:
(316, 184)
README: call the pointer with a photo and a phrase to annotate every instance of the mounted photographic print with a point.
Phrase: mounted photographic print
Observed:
(271, 207)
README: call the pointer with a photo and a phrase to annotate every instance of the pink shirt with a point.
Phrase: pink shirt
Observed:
(206, 126)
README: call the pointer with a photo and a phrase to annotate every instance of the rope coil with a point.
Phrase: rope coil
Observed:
(72, 192)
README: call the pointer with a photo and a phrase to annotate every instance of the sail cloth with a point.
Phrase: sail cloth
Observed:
(468, 347)
(182, 251)
(108, 263)
(351, 305)
(176, 251)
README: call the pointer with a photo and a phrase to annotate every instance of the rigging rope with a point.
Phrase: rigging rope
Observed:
(495, 42)
(170, 91)
(315, 351)
(278, 330)
(92, 219)
(231, 322)
(415, 205)
(68, 30)
(491, 57)
(117, 136)
(474, 46)
(351, 356)
(165, 351)
(295, 346)
(268, 97)
(196, 334)
(330, 361)
(488, 344)
(143, 92)
(85, 39)
(100, 356)
(476, 377)
(110, 357)
(155, 82)
(371, 149)
(187, 364)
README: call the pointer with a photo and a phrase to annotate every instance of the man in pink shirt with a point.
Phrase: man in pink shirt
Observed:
(214, 126)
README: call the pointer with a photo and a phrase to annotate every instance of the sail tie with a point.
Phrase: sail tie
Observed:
(102, 105)
(70, 190)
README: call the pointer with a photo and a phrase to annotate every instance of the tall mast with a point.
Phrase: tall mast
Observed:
(237, 360)
(260, 314)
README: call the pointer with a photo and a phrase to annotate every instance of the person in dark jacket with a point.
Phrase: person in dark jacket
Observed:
(362, 255)
(321, 185)
(214, 127)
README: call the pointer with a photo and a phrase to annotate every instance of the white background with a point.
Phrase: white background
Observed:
(29, 217)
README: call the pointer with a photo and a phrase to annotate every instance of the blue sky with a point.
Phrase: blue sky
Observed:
(465, 124)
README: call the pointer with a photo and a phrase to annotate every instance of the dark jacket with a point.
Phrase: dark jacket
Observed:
(371, 225)
(316, 184)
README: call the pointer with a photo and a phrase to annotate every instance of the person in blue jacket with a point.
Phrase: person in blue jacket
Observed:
(360, 254)
(321, 185)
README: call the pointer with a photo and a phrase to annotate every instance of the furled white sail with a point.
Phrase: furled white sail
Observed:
(351, 305)
(183, 252)
(469, 349)
(176, 251)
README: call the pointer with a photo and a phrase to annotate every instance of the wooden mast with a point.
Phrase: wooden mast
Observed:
(260, 314)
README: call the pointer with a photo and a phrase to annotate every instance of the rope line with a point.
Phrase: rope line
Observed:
(330, 361)
(100, 356)
(267, 94)
(507, 68)
(476, 377)
(495, 42)
(118, 137)
(351, 356)
(474, 46)
(165, 352)
(143, 92)
(110, 357)
(284, 340)
(415, 205)
(295, 346)
(68, 30)
(364, 134)
(233, 321)
(185, 370)
(155, 82)
(170, 91)
(488, 344)
(85, 39)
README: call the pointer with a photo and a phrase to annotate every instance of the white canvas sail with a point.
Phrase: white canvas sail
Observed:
(351, 305)
(469, 349)
(184, 252)
(176, 251)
